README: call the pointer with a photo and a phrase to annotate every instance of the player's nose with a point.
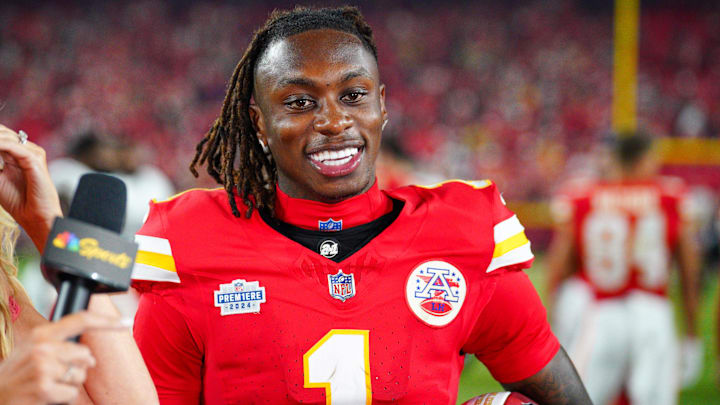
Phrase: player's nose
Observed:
(332, 119)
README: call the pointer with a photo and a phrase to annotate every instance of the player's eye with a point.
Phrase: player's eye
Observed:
(300, 103)
(354, 96)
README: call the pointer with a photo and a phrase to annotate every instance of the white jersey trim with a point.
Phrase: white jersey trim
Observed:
(153, 244)
(149, 273)
(507, 228)
(518, 255)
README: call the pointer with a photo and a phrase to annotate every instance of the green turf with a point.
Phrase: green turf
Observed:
(476, 379)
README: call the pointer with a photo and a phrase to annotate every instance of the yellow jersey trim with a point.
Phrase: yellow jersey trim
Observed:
(510, 244)
(159, 260)
(326, 385)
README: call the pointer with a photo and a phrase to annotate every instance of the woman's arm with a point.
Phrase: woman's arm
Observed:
(120, 376)
(27, 193)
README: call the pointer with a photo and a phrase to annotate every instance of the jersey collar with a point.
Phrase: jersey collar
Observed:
(316, 215)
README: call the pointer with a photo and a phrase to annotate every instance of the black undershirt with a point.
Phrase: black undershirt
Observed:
(337, 245)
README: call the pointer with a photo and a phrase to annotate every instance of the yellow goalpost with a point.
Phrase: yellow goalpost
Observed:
(625, 63)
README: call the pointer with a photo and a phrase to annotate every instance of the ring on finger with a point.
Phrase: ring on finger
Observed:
(67, 377)
(22, 137)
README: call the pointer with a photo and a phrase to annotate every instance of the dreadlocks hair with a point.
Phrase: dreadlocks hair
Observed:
(231, 148)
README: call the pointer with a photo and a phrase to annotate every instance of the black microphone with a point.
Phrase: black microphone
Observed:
(85, 252)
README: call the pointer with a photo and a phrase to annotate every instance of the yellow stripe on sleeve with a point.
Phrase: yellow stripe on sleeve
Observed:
(158, 260)
(518, 255)
(509, 244)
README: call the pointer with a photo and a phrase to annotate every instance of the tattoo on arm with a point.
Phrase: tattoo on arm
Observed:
(556, 384)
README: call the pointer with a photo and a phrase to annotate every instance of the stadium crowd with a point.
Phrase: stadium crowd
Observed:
(519, 93)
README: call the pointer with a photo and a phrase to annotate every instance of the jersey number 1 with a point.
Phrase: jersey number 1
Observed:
(340, 363)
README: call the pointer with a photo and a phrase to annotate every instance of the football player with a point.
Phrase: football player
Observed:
(610, 261)
(299, 281)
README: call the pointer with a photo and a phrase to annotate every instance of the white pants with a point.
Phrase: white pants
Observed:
(627, 342)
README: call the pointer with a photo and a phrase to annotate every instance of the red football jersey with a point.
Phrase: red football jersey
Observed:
(625, 232)
(233, 312)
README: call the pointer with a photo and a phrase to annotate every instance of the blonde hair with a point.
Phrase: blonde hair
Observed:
(9, 232)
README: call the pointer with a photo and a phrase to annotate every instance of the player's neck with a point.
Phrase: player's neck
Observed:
(316, 215)
(635, 176)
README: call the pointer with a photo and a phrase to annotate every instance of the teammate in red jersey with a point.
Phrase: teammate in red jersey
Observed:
(327, 289)
(619, 237)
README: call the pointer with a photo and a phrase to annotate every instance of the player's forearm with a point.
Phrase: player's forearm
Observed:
(556, 384)
(559, 260)
(120, 376)
(689, 278)
(691, 294)
(690, 301)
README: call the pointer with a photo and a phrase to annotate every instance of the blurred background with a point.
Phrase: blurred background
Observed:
(520, 92)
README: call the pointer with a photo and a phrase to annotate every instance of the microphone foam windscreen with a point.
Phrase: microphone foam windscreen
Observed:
(100, 200)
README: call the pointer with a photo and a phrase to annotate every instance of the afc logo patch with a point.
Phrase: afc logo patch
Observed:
(435, 292)
(239, 297)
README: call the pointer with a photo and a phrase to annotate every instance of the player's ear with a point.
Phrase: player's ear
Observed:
(383, 110)
(258, 122)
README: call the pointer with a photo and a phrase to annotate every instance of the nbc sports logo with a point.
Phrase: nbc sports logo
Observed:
(66, 240)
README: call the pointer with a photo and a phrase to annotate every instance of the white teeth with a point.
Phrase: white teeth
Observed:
(334, 157)
(337, 162)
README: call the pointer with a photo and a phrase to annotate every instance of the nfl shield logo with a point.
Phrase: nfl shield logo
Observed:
(330, 225)
(341, 286)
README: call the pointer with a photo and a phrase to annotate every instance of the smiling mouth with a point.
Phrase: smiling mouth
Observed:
(334, 163)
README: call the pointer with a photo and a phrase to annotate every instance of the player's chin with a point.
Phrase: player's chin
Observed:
(341, 188)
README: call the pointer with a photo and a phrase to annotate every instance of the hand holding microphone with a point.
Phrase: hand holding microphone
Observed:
(28, 195)
(46, 368)
(85, 252)
(97, 214)
(104, 264)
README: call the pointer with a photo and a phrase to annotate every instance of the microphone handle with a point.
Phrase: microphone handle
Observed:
(73, 296)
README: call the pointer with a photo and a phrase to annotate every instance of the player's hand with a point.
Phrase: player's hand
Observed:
(500, 398)
(691, 361)
(26, 190)
(46, 368)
